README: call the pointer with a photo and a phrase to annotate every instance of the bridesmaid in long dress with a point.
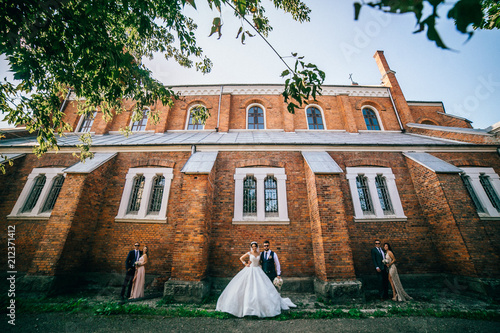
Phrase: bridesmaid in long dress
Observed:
(398, 292)
(140, 275)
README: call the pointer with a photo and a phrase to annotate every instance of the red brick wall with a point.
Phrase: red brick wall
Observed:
(291, 242)
(451, 248)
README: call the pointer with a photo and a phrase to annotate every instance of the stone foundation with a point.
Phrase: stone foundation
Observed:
(340, 291)
(186, 291)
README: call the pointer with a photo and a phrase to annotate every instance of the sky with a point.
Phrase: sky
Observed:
(466, 79)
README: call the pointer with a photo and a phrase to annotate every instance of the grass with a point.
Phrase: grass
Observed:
(165, 308)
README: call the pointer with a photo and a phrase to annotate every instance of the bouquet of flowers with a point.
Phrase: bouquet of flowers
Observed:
(278, 282)
(137, 263)
(385, 261)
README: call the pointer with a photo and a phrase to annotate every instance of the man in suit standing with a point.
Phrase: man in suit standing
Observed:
(132, 257)
(382, 273)
(270, 262)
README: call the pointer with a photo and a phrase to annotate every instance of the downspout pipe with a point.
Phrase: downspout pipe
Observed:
(218, 110)
(396, 111)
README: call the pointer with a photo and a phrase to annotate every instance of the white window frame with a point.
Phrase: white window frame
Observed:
(322, 117)
(147, 120)
(189, 117)
(80, 124)
(36, 212)
(473, 174)
(260, 175)
(371, 174)
(246, 117)
(142, 215)
(377, 114)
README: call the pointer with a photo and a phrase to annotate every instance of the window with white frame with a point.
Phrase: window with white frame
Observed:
(314, 118)
(255, 117)
(371, 119)
(145, 196)
(86, 122)
(260, 196)
(39, 194)
(483, 185)
(140, 125)
(193, 124)
(374, 194)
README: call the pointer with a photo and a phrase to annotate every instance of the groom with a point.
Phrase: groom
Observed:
(132, 257)
(382, 274)
(270, 262)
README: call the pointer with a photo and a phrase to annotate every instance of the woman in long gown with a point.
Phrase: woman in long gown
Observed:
(140, 275)
(250, 292)
(398, 292)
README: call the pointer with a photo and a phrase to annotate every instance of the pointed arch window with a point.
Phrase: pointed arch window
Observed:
(249, 196)
(86, 123)
(364, 195)
(371, 120)
(314, 118)
(140, 125)
(383, 195)
(53, 194)
(271, 196)
(136, 195)
(34, 194)
(255, 117)
(156, 195)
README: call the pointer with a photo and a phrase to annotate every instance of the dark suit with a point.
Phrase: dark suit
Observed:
(130, 272)
(268, 265)
(383, 277)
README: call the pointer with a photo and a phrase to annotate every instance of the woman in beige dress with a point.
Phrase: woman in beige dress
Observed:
(140, 275)
(398, 292)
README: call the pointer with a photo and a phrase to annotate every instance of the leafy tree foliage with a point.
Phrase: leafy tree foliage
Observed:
(467, 14)
(95, 49)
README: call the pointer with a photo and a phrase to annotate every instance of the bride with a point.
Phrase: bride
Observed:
(250, 292)
(398, 292)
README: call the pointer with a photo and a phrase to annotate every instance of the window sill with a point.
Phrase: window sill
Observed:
(140, 220)
(380, 219)
(489, 218)
(28, 217)
(268, 222)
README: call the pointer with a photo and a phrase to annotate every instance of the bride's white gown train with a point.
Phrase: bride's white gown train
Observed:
(251, 293)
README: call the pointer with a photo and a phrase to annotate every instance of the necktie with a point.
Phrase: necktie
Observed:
(136, 255)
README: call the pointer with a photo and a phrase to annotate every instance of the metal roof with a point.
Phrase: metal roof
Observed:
(267, 137)
(90, 164)
(433, 163)
(200, 162)
(7, 157)
(321, 162)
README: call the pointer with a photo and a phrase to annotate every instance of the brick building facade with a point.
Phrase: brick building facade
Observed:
(359, 163)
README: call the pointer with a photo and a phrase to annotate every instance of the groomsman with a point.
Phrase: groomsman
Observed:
(132, 257)
(270, 262)
(382, 273)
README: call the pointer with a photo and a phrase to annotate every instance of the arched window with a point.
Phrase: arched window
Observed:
(371, 120)
(314, 118)
(271, 196)
(428, 122)
(383, 195)
(483, 185)
(87, 122)
(136, 195)
(193, 124)
(34, 194)
(140, 125)
(249, 196)
(364, 194)
(53, 194)
(255, 117)
(156, 195)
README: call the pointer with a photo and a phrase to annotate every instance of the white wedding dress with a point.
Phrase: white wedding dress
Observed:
(251, 293)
